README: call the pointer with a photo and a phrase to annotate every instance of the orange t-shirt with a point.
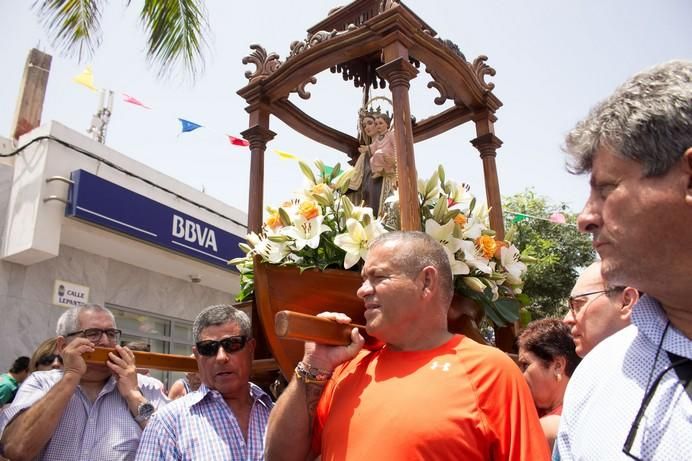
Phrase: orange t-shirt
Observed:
(461, 400)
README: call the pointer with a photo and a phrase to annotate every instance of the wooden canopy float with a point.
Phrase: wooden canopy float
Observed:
(372, 43)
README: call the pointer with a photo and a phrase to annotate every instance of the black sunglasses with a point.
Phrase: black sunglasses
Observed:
(231, 344)
(48, 359)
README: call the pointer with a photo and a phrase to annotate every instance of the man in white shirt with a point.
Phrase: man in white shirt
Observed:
(628, 398)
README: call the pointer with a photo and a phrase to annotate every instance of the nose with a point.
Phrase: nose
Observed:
(589, 220)
(56, 365)
(569, 319)
(222, 355)
(364, 290)
(103, 340)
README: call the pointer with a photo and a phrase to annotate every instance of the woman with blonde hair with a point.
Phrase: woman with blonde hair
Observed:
(44, 357)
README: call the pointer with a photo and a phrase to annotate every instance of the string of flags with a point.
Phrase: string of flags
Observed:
(86, 79)
(555, 218)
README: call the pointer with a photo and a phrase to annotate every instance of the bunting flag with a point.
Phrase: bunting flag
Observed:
(518, 217)
(188, 125)
(557, 218)
(285, 155)
(86, 78)
(135, 101)
(237, 141)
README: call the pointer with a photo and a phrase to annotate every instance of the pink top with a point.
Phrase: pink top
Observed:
(383, 158)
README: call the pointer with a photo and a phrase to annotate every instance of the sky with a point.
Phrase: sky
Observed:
(554, 60)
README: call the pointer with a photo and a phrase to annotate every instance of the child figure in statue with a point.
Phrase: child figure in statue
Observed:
(377, 161)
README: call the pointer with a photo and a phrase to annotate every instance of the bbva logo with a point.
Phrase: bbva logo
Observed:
(194, 232)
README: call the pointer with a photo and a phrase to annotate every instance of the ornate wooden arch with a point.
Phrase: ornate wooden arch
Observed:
(372, 42)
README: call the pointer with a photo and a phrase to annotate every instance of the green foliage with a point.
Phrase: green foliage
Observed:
(175, 30)
(559, 249)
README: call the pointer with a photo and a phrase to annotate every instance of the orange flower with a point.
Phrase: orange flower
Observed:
(487, 245)
(460, 219)
(274, 221)
(500, 245)
(308, 209)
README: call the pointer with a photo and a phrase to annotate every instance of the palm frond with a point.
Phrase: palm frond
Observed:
(175, 30)
(74, 26)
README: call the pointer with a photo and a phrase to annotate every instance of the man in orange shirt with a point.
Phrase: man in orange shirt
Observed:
(426, 394)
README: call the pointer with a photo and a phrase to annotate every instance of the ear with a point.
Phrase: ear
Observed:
(629, 298)
(559, 365)
(59, 345)
(687, 168)
(429, 280)
(251, 344)
(195, 353)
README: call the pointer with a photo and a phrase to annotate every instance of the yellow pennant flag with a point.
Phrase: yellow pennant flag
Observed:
(86, 78)
(285, 155)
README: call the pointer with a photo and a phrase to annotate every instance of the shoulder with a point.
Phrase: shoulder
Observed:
(486, 360)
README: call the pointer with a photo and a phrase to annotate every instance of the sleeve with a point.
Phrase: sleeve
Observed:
(31, 391)
(158, 441)
(509, 409)
(5, 390)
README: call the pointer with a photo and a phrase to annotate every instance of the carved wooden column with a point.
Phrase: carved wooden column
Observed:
(487, 144)
(398, 73)
(258, 136)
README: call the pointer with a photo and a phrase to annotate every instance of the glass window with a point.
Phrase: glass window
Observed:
(156, 331)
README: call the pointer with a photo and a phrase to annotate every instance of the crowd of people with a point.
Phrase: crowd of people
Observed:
(610, 381)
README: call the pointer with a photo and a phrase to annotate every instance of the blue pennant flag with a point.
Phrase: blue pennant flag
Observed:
(188, 125)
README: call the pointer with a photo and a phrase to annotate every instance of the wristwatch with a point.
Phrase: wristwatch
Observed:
(144, 411)
(311, 375)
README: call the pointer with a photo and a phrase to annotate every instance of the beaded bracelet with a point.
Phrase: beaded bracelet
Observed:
(311, 375)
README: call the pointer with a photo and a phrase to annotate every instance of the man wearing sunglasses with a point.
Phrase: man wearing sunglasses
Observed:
(226, 417)
(596, 311)
(82, 411)
(426, 394)
(630, 398)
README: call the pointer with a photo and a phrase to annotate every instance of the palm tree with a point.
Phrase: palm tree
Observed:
(175, 30)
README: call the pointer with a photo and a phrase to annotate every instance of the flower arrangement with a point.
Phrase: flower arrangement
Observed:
(322, 228)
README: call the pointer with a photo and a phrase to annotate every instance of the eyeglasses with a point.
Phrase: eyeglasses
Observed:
(632, 434)
(580, 302)
(231, 344)
(94, 334)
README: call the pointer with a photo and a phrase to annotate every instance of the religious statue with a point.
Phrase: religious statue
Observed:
(376, 177)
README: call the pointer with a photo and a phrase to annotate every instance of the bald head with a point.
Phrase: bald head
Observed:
(597, 310)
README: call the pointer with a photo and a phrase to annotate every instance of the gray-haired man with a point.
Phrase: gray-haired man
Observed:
(83, 411)
(627, 399)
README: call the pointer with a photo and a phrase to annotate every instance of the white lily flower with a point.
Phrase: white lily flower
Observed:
(272, 252)
(482, 212)
(462, 197)
(305, 232)
(473, 228)
(509, 259)
(356, 240)
(474, 258)
(444, 235)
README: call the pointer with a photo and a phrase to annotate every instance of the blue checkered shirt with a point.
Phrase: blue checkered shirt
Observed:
(104, 430)
(201, 426)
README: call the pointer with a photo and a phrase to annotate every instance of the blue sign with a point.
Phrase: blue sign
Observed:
(106, 204)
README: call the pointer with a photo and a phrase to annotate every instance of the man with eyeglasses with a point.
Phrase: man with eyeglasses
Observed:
(226, 417)
(595, 311)
(82, 411)
(630, 398)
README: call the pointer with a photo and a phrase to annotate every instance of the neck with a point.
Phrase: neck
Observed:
(239, 402)
(420, 342)
(680, 318)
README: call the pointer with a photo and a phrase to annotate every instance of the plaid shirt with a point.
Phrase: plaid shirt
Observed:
(201, 426)
(104, 430)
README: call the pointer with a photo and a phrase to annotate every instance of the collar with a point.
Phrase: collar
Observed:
(651, 320)
(256, 394)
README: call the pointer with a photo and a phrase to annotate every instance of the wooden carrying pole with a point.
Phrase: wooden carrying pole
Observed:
(303, 327)
(147, 360)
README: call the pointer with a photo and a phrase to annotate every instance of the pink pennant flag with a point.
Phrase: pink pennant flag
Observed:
(135, 101)
(557, 218)
(238, 141)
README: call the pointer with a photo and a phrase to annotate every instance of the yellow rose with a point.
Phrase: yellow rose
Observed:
(308, 209)
(487, 245)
